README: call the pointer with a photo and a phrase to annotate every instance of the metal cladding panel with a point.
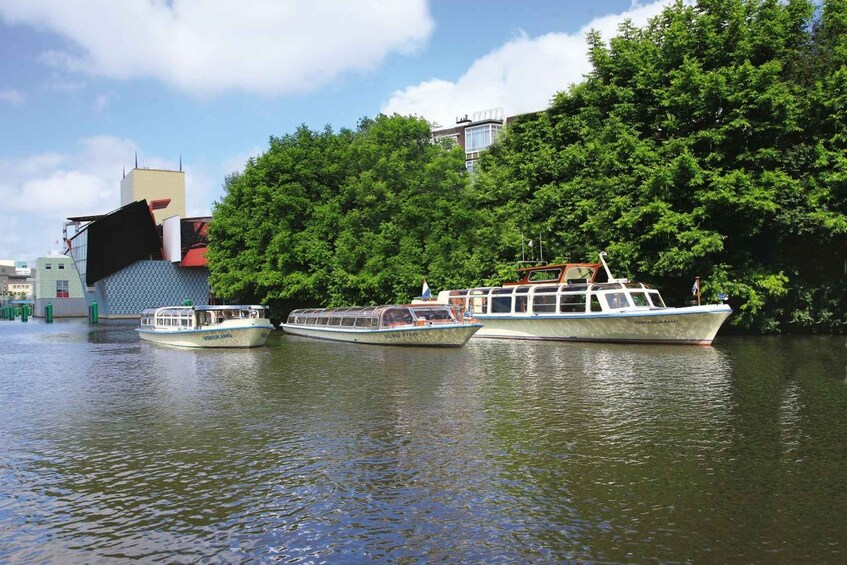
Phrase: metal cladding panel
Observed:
(172, 238)
(119, 239)
(149, 284)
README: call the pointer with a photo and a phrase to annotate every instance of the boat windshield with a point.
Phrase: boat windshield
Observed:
(372, 317)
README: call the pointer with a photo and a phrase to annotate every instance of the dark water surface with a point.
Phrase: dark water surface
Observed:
(303, 450)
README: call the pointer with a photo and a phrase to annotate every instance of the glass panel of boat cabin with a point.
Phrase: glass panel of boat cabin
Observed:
(501, 304)
(521, 299)
(578, 274)
(478, 301)
(544, 300)
(656, 299)
(546, 275)
(572, 302)
(457, 297)
(595, 304)
(639, 298)
(616, 300)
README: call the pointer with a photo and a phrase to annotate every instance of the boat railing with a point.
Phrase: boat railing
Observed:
(555, 298)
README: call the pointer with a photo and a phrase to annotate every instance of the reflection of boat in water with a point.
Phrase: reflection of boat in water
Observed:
(206, 326)
(431, 325)
(579, 301)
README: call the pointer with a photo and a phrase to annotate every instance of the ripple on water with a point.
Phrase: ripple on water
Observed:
(501, 451)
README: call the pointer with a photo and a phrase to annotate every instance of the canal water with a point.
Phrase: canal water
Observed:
(310, 451)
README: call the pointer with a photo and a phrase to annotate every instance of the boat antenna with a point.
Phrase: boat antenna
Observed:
(523, 253)
(605, 266)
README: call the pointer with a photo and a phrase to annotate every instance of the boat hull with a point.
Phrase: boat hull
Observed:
(695, 325)
(446, 335)
(219, 337)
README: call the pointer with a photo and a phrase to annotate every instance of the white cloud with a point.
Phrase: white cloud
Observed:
(208, 46)
(40, 191)
(521, 76)
(12, 97)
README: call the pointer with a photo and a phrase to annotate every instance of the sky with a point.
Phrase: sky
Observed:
(86, 85)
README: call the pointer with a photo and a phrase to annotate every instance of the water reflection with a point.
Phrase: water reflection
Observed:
(500, 451)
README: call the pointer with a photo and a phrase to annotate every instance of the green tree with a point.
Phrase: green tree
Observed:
(710, 142)
(355, 217)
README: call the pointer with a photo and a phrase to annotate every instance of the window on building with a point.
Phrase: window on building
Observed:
(481, 137)
(62, 290)
(61, 265)
(48, 266)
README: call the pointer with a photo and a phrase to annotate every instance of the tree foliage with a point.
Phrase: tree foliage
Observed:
(356, 217)
(711, 142)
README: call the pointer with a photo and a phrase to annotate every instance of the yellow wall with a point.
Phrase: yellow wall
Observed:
(155, 184)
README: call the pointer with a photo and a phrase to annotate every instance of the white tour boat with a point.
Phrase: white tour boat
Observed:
(567, 302)
(206, 326)
(431, 325)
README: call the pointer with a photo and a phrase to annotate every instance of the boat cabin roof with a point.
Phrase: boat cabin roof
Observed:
(368, 311)
(217, 307)
(564, 273)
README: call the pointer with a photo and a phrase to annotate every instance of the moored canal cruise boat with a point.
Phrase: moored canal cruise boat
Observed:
(569, 302)
(206, 326)
(432, 325)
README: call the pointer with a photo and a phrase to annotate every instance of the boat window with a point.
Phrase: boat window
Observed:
(365, 322)
(595, 304)
(501, 304)
(477, 302)
(656, 299)
(434, 314)
(606, 286)
(504, 290)
(348, 321)
(544, 303)
(544, 275)
(617, 300)
(335, 321)
(521, 298)
(578, 274)
(639, 298)
(322, 321)
(545, 289)
(397, 316)
(572, 303)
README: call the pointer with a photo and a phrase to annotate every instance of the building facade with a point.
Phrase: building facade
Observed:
(156, 185)
(474, 133)
(144, 254)
(16, 280)
(57, 282)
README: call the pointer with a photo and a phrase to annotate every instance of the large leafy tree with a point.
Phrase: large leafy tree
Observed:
(354, 217)
(710, 142)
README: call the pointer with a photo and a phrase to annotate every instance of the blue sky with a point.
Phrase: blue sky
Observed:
(85, 85)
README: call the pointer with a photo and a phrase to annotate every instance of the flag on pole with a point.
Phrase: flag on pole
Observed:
(696, 287)
(425, 292)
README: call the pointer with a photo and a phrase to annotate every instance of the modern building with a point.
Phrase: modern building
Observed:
(164, 190)
(474, 133)
(57, 283)
(144, 254)
(16, 280)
